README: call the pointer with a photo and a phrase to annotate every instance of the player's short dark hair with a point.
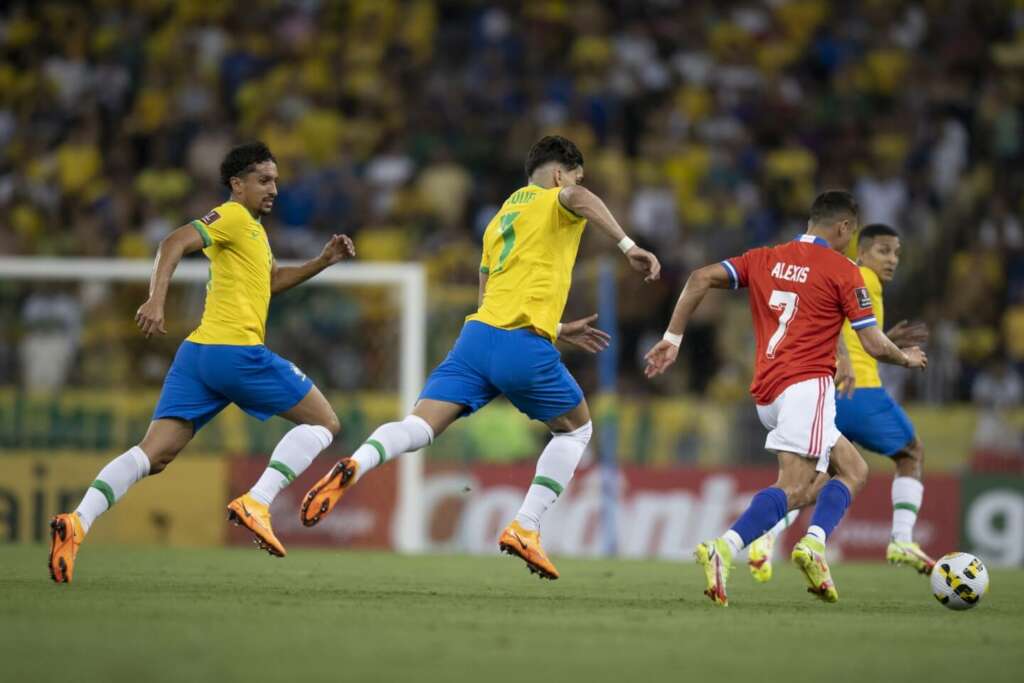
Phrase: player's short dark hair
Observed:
(869, 232)
(832, 206)
(239, 160)
(553, 148)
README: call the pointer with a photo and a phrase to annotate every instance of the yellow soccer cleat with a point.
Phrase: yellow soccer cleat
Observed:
(909, 553)
(255, 516)
(759, 558)
(716, 559)
(809, 556)
(66, 534)
(515, 540)
(326, 493)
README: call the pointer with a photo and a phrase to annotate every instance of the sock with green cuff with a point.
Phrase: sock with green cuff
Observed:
(555, 468)
(292, 455)
(110, 485)
(391, 440)
(907, 494)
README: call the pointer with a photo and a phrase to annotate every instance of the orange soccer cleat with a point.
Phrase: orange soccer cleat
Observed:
(255, 516)
(66, 534)
(515, 540)
(326, 493)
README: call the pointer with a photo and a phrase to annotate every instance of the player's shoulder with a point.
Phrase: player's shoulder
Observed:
(871, 278)
(837, 262)
(225, 217)
(755, 253)
(233, 211)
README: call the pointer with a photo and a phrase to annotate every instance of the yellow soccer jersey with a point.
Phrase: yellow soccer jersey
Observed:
(238, 292)
(529, 250)
(865, 368)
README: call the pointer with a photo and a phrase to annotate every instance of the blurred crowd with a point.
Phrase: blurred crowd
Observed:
(708, 127)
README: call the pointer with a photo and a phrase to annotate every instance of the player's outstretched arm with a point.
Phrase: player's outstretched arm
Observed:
(664, 353)
(184, 240)
(585, 203)
(580, 333)
(881, 348)
(283, 278)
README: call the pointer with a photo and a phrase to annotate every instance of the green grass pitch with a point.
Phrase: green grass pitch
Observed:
(149, 614)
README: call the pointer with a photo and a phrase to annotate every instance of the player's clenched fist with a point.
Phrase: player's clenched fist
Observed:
(916, 358)
(338, 248)
(660, 357)
(150, 318)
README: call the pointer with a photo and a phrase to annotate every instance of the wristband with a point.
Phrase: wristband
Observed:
(673, 339)
(625, 244)
(558, 331)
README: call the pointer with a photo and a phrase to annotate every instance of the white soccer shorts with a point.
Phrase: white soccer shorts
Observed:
(802, 420)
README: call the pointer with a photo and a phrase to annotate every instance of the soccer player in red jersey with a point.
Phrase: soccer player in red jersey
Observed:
(800, 294)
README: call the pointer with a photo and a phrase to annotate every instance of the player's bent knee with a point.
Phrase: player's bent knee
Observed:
(331, 423)
(581, 434)
(159, 460)
(916, 451)
(857, 472)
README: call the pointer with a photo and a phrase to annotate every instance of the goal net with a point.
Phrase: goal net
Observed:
(78, 382)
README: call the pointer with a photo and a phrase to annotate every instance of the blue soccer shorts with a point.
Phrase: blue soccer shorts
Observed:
(205, 378)
(872, 419)
(487, 361)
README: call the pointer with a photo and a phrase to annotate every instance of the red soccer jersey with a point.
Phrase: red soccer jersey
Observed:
(800, 294)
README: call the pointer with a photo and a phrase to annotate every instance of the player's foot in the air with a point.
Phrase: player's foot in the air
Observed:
(759, 558)
(909, 553)
(809, 556)
(66, 534)
(716, 559)
(326, 493)
(515, 540)
(255, 516)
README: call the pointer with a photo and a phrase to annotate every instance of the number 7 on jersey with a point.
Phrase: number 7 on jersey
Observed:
(785, 303)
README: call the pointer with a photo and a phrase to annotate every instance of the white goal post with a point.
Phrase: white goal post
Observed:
(408, 532)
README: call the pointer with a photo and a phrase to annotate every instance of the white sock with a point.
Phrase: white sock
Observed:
(907, 494)
(391, 440)
(292, 455)
(555, 468)
(113, 481)
(734, 540)
(783, 523)
(816, 532)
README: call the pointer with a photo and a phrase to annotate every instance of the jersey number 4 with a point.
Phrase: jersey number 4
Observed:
(785, 304)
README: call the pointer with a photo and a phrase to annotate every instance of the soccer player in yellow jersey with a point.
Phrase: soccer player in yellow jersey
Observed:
(508, 346)
(869, 416)
(223, 361)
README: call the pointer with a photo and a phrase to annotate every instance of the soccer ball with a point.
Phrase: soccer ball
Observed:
(959, 580)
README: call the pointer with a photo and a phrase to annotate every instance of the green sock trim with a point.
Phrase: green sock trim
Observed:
(380, 450)
(288, 473)
(905, 506)
(104, 488)
(548, 482)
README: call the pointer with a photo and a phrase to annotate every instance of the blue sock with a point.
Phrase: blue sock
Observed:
(832, 503)
(767, 508)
